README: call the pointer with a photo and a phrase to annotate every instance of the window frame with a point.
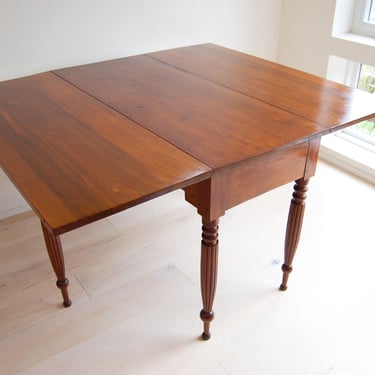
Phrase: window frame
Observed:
(359, 25)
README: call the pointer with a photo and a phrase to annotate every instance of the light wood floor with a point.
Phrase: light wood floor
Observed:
(136, 296)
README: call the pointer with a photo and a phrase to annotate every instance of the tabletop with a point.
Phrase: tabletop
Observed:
(84, 142)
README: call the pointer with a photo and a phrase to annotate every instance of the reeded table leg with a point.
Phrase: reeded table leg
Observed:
(56, 256)
(209, 263)
(293, 229)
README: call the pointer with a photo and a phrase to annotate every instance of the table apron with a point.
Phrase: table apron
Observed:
(248, 179)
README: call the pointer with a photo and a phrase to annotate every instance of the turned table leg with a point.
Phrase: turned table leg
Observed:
(209, 263)
(294, 226)
(56, 256)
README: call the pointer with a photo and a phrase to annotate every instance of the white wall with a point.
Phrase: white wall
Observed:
(40, 35)
(306, 40)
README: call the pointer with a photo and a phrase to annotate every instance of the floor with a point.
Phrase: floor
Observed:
(136, 295)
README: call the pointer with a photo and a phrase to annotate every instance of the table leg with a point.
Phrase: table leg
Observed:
(209, 263)
(294, 226)
(56, 256)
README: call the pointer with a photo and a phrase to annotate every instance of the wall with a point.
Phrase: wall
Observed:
(40, 35)
(306, 40)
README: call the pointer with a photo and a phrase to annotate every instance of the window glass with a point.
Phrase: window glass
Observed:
(366, 82)
(364, 18)
(366, 78)
(370, 14)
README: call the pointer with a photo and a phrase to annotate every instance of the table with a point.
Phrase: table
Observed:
(85, 142)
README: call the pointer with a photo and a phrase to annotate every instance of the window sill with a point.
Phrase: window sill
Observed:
(357, 38)
(348, 156)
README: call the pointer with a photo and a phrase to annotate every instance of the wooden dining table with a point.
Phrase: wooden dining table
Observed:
(86, 142)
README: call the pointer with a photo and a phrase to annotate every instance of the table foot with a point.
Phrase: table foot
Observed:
(293, 230)
(209, 264)
(286, 271)
(63, 286)
(207, 319)
(56, 256)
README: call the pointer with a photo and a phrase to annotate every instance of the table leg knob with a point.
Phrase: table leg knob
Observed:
(63, 286)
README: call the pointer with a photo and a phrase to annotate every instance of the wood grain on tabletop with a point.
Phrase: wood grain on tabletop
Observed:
(301, 93)
(216, 125)
(75, 160)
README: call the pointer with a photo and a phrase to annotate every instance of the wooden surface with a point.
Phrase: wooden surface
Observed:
(76, 160)
(324, 102)
(217, 125)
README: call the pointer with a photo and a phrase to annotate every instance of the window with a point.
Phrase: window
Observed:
(364, 132)
(364, 18)
(353, 149)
